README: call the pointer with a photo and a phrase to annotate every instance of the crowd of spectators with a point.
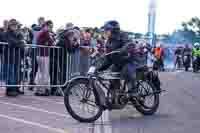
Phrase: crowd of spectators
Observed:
(44, 62)
(60, 50)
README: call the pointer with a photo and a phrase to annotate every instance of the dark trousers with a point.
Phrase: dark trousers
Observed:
(84, 65)
(159, 65)
(115, 84)
(58, 67)
(162, 64)
(127, 72)
(34, 65)
(12, 75)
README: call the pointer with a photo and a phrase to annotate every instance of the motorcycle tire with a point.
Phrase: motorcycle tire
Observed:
(149, 111)
(68, 92)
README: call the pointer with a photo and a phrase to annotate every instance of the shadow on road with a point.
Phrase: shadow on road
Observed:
(142, 118)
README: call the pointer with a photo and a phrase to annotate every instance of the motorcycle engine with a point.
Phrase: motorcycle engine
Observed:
(117, 99)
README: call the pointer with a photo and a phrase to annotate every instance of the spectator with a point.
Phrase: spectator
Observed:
(178, 57)
(68, 40)
(35, 30)
(72, 38)
(100, 45)
(3, 30)
(12, 55)
(28, 36)
(5, 25)
(41, 21)
(69, 26)
(87, 41)
(45, 38)
(159, 55)
(56, 59)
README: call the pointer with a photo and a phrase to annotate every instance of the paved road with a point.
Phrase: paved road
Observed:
(178, 113)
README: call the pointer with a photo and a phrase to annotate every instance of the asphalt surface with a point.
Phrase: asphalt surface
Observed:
(178, 112)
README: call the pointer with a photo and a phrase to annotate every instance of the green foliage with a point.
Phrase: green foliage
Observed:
(189, 33)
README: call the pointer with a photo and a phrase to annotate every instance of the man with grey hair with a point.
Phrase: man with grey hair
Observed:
(69, 26)
(68, 57)
(11, 64)
(75, 56)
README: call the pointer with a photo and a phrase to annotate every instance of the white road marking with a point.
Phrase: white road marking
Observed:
(35, 109)
(177, 72)
(105, 116)
(56, 130)
(103, 127)
(47, 100)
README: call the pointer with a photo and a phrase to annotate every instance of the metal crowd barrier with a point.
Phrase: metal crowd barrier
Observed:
(39, 66)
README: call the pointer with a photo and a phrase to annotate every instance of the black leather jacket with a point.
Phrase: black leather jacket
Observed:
(187, 51)
(14, 51)
(116, 42)
(178, 51)
(129, 52)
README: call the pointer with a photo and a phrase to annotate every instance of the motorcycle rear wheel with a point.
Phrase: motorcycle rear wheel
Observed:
(140, 106)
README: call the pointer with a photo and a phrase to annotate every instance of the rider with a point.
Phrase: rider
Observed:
(187, 51)
(196, 51)
(126, 62)
(178, 53)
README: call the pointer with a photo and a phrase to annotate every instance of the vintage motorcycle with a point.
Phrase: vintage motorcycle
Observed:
(87, 97)
(196, 64)
(178, 61)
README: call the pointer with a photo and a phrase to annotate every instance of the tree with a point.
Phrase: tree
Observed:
(193, 24)
(189, 33)
(191, 30)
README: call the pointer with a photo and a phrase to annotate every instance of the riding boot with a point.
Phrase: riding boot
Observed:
(114, 86)
(132, 89)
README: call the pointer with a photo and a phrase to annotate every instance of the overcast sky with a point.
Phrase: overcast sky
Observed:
(132, 14)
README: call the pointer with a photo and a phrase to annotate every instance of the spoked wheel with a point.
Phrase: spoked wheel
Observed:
(148, 101)
(82, 102)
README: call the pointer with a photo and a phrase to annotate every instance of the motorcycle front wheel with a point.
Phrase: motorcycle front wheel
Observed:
(82, 102)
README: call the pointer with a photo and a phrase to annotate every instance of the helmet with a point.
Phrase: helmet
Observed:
(186, 45)
(196, 44)
(112, 25)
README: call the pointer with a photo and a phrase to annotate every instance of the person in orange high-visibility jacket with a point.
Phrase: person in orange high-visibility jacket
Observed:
(159, 54)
